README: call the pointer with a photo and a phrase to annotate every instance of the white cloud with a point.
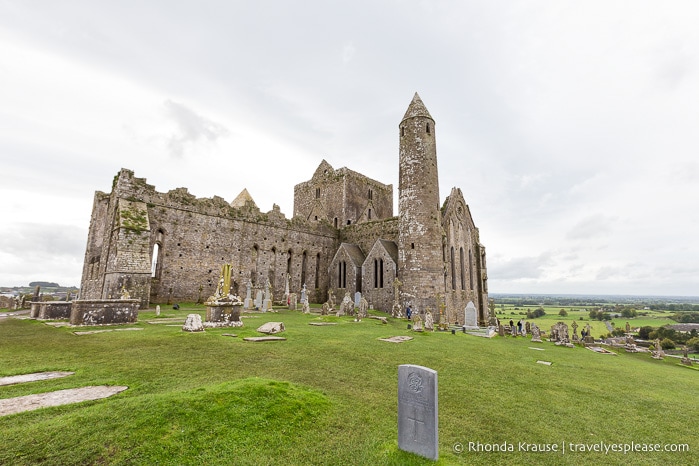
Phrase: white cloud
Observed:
(568, 126)
(191, 128)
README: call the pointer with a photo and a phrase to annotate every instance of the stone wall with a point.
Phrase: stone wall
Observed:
(378, 274)
(342, 197)
(195, 237)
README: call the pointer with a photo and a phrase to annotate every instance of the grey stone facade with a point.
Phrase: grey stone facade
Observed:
(168, 247)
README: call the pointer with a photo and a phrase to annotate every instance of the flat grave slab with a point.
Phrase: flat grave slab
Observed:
(264, 339)
(599, 350)
(229, 335)
(322, 324)
(90, 332)
(537, 349)
(166, 320)
(23, 378)
(546, 363)
(397, 339)
(58, 324)
(60, 397)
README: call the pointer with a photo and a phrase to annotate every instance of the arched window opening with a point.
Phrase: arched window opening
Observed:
(273, 274)
(453, 274)
(342, 275)
(463, 272)
(155, 261)
(380, 273)
(376, 273)
(303, 268)
(156, 258)
(369, 215)
(470, 268)
(254, 263)
(427, 128)
(317, 283)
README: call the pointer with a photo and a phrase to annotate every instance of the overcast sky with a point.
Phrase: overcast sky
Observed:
(572, 127)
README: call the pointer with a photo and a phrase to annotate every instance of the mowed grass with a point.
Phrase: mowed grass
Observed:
(328, 394)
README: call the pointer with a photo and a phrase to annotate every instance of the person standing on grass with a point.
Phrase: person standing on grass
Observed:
(512, 325)
(519, 327)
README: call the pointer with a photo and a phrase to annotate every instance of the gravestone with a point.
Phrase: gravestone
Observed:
(418, 411)
(471, 316)
(429, 322)
(304, 294)
(536, 333)
(247, 305)
(157, 310)
(193, 323)
(271, 327)
(346, 306)
(357, 298)
(293, 301)
(258, 300)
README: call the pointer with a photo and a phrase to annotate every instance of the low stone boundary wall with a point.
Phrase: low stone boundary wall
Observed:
(104, 311)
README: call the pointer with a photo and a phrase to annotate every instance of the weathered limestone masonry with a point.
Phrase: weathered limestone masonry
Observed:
(104, 311)
(342, 197)
(175, 249)
(167, 247)
(421, 263)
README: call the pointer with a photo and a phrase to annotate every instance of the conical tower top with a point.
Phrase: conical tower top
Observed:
(417, 109)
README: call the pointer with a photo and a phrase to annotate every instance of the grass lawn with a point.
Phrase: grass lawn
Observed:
(327, 395)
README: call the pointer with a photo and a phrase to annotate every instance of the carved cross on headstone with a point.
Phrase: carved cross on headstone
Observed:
(418, 411)
(416, 421)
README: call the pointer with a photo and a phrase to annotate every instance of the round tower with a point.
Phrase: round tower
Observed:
(420, 257)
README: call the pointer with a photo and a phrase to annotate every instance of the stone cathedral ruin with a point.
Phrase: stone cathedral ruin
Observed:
(343, 237)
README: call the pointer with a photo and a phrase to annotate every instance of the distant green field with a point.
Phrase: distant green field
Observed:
(328, 394)
(653, 319)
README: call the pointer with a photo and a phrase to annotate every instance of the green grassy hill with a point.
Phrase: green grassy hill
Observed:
(327, 395)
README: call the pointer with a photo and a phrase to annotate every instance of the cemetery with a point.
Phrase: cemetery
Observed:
(292, 387)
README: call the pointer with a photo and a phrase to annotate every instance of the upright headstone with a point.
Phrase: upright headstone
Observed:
(536, 333)
(429, 322)
(157, 310)
(258, 300)
(304, 294)
(471, 316)
(193, 323)
(248, 296)
(418, 411)
(357, 298)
